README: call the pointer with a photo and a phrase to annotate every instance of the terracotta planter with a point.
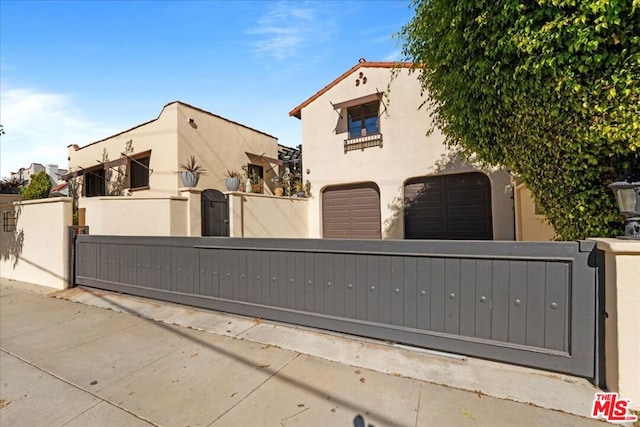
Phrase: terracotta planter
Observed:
(279, 191)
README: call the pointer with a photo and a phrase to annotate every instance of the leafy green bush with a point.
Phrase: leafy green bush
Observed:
(547, 89)
(38, 188)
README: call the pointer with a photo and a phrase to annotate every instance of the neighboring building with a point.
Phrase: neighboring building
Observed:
(24, 174)
(60, 190)
(376, 171)
(143, 161)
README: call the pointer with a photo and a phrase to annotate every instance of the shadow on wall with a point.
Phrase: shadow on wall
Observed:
(12, 240)
(449, 163)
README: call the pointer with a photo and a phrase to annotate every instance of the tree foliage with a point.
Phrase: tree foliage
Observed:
(38, 188)
(548, 89)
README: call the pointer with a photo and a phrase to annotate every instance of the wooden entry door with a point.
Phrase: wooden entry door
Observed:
(215, 213)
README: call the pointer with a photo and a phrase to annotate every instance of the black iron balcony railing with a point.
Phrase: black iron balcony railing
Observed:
(362, 142)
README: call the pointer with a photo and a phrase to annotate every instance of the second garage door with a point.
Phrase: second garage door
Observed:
(351, 212)
(449, 207)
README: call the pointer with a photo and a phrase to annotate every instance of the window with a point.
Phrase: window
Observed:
(139, 172)
(8, 221)
(94, 183)
(256, 176)
(364, 120)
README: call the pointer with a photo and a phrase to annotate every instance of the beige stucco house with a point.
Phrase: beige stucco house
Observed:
(129, 184)
(377, 172)
(143, 161)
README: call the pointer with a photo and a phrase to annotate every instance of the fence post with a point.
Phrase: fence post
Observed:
(73, 231)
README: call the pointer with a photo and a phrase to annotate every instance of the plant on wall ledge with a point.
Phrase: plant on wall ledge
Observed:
(191, 172)
(232, 180)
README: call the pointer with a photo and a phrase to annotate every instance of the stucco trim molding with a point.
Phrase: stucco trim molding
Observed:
(618, 246)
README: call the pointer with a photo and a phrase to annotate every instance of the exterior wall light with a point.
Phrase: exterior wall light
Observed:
(627, 192)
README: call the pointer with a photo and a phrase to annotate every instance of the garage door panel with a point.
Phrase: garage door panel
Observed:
(466, 195)
(470, 212)
(449, 207)
(351, 212)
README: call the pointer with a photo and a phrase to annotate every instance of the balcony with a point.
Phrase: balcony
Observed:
(362, 142)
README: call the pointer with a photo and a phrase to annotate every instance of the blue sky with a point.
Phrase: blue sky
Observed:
(75, 72)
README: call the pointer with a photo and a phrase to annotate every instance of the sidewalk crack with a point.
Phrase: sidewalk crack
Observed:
(254, 389)
(101, 399)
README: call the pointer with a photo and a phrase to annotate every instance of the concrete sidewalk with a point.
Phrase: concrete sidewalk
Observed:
(65, 360)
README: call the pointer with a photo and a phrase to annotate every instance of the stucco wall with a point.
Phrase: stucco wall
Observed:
(257, 215)
(37, 251)
(221, 145)
(129, 216)
(217, 143)
(406, 152)
(159, 135)
(529, 225)
(622, 323)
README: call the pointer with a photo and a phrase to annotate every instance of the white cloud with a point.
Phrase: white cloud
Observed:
(39, 126)
(285, 29)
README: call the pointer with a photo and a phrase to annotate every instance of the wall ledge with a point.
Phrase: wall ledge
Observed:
(137, 199)
(268, 196)
(191, 190)
(618, 246)
(41, 201)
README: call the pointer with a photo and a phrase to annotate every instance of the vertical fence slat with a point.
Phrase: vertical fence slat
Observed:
(318, 283)
(452, 296)
(361, 287)
(409, 303)
(339, 285)
(350, 291)
(500, 301)
(437, 310)
(265, 277)
(309, 292)
(556, 308)
(282, 279)
(329, 284)
(290, 268)
(467, 297)
(251, 276)
(423, 289)
(384, 282)
(373, 288)
(484, 298)
(225, 273)
(240, 275)
(535, 303)
(300, 283)
(517, 302)
(397, 298)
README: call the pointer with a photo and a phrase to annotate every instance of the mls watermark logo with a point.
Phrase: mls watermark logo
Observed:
(611, 408)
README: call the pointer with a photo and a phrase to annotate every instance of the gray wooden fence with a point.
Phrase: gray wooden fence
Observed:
(533, 304)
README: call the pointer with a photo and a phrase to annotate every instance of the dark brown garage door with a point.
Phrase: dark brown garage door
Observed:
(351, 212)
(450, 207)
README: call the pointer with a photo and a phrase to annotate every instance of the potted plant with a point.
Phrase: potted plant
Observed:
(278, 186)
(307, 188)
(300, 189)
(232, 180)
(191, 172)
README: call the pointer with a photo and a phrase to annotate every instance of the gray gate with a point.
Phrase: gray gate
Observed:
(532, 304)
(215, 213)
